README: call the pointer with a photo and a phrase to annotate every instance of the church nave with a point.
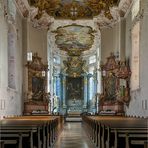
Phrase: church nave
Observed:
(73, 74)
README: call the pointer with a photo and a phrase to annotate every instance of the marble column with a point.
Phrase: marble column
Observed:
(85, 92)
(64, 91)
(95, 83)
(58, 86)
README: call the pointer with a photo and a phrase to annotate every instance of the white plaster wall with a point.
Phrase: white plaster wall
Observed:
(139, 98)
(37, 41)
(113, 40)
(3, 65)
(110, 41)
(34, 40)
(10, 99)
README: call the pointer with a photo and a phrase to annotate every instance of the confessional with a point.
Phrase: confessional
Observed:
(37, 97)
(116, 90)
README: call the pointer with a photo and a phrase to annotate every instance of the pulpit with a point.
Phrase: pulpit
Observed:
(116, 90)
(37, 97)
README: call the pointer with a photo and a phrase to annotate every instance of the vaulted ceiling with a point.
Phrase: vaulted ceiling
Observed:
(43, 12)
(74, 9)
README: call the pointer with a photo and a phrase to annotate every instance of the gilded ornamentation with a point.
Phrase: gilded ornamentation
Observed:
(41, 12)
(97, 6)
(115, 81)
(74, 9)
(74, 66)
(48, 6)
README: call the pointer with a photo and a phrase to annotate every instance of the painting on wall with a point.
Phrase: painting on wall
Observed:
(74, 37)
(74, 88)
(37, 88)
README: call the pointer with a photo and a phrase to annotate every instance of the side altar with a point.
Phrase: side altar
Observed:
(37, 97)
(115, 83)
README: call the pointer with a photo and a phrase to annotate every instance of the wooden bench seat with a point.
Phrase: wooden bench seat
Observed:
(42, 130)
(107, 131)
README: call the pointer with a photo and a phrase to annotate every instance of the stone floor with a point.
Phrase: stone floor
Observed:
(73, 136)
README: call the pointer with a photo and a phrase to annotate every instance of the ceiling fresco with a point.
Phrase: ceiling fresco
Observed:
(42, 13)
(74, 37)
(73, 9)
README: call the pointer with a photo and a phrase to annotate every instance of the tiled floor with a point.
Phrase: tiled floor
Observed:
(73, 136)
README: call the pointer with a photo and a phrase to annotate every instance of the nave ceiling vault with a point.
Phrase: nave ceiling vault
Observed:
(42, 13)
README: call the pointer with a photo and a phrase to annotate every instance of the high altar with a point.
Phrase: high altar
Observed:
(74, 40)
(74, 80)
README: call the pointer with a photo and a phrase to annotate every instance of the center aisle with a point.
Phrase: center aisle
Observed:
(73, 136)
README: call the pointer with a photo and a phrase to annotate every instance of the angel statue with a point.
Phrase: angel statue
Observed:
(29, 95)
(47, 97)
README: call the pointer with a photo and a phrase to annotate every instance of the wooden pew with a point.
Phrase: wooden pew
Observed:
(2, 143)
(117, 127)
(43, 126)
(19, 127)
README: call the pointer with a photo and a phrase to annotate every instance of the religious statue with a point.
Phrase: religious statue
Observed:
(47, 97)
(55, 102)
(29, 95)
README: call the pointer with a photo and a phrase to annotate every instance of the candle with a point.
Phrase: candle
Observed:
(29, 56)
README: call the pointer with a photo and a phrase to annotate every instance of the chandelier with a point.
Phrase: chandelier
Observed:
(72, 9)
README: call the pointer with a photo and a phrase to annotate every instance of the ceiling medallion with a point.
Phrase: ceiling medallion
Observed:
(72, 9)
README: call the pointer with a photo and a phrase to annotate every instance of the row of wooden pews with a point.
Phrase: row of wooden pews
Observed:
(30, 131)
(117, 131)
